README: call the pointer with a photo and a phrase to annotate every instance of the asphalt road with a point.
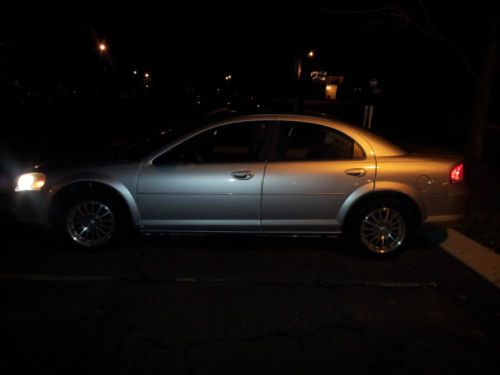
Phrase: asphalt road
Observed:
(240, 305)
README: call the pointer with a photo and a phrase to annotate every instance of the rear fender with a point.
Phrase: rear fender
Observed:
(379, 189)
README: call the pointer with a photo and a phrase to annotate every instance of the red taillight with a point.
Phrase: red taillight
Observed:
(457, 174)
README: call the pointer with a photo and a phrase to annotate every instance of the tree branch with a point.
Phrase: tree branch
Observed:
(440, 36)
(431, 30)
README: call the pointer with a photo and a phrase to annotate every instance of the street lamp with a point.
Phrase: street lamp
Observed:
(300, 66)
(102, 47)
(104, 58)
(147, 80)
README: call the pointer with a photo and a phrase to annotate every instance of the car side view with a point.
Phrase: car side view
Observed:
(262, 174)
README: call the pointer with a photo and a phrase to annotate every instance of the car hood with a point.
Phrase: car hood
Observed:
(59, 164)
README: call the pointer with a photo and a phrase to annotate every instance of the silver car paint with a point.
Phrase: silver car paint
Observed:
(438, 199)
(308, 195)
(200, 197)
(122, 177)
(298, 197)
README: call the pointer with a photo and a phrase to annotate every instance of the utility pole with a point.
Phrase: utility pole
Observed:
(299, 100)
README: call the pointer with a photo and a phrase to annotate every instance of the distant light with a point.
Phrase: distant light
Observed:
(147, 86)
(329, 88)
(103, 47)
(310, 53)
(135, 72)
(228, 77)
(146, 75)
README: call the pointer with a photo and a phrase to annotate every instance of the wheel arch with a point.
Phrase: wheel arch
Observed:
(115, 190)
(403, 197)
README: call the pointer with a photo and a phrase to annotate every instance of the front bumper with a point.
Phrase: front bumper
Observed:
(30, 207)
(6, 212)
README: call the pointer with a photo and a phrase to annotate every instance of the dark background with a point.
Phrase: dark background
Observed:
(58, 92)
(241, 305)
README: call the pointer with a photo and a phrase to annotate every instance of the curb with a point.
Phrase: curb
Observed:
(480, 259)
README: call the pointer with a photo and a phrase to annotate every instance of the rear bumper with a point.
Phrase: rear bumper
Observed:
(443, 221)
(445, 210)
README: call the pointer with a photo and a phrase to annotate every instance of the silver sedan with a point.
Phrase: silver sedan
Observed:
(265, 174)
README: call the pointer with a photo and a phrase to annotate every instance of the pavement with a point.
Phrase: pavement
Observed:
(482, 260)
(226, 305)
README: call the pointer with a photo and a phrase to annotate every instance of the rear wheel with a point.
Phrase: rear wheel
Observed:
(382, 227)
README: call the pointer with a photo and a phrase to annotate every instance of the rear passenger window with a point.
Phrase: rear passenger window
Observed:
(303, 141)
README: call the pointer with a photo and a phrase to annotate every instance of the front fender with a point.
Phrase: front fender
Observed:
(119, 187)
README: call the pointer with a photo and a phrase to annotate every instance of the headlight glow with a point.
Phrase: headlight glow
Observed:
(30, 181)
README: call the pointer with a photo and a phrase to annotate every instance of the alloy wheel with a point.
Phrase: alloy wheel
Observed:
(90, 223)
(383, 230)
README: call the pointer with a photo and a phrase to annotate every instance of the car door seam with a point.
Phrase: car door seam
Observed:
(262, 195)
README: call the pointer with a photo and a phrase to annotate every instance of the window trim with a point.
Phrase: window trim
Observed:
(263, 152)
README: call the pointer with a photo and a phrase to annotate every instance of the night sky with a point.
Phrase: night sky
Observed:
(51, 71)
(188, 42)
(50, 46)
(200, 42)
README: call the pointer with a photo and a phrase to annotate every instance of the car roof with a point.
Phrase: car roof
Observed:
(380, 146)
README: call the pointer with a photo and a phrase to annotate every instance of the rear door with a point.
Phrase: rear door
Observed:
(313, 171)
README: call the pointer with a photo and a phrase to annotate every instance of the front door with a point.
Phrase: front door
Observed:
(211, 182)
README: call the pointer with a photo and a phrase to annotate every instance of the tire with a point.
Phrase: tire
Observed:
(91, 220)
(381, 228)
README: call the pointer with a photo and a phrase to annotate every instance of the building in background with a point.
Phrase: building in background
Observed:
(324, 86)
(332, 86)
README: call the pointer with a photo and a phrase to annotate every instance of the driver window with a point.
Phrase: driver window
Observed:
(224, 144)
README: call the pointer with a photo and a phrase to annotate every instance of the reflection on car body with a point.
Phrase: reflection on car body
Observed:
(274, 174)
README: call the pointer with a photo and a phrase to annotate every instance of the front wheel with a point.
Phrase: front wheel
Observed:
(91, 221)
(382, 228)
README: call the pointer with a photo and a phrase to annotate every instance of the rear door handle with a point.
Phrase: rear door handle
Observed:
(242, 175)
(356, 172)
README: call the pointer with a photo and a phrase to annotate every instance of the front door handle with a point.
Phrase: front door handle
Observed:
(356, 172)
(242, 175)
